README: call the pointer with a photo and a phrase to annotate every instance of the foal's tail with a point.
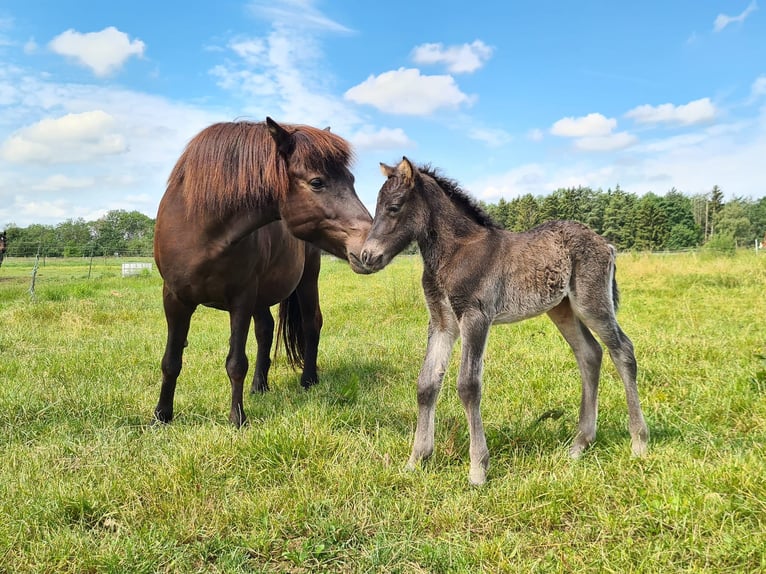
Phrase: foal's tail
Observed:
(290, 330)
(613, 272)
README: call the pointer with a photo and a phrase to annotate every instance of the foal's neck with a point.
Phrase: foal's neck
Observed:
(448, 227)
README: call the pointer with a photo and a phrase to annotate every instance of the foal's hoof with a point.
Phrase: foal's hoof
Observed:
(579, 446)
(477, 476)
(639, 447)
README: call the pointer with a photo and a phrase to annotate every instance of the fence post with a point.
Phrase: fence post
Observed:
(34, 277)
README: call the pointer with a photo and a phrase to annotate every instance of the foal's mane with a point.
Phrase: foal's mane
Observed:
(459, 197)
(236, 165)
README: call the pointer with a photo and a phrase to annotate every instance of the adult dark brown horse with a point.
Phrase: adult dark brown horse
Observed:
(248, 207)
(476, 274)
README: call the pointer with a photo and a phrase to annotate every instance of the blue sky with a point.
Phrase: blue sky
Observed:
(98, 99)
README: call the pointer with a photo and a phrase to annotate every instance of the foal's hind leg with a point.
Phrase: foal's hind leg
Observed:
(474, 329)
(621, 351)
(588, 354)
(178, 317)
(264, 336)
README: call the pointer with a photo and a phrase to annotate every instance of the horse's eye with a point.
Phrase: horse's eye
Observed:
(316, 184)
(393, 209)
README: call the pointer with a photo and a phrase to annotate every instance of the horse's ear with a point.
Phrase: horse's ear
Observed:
(407, 172)
(387, 170)
(282, 137)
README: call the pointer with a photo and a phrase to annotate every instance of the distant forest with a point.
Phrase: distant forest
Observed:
(648, 222)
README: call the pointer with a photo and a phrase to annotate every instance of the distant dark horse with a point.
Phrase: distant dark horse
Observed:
(476, 274)
(230, 231)
(3, 246)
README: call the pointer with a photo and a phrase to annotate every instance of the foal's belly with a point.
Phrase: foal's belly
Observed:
(526, 310)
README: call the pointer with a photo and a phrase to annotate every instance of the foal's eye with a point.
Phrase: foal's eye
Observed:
(393, 209)
(316, 184)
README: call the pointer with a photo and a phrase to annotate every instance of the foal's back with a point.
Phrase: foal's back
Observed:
(531, 272)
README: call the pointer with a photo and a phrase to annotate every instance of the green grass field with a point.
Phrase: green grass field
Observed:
(315, 481)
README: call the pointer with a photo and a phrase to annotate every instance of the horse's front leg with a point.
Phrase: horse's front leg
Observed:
(178, 317)
(441, 339)
(236, 361)
(474, 328)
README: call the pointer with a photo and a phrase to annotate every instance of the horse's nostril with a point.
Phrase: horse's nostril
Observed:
(364, 256)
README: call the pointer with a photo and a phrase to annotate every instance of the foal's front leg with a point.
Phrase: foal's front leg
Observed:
(474, 329)
(441, 339)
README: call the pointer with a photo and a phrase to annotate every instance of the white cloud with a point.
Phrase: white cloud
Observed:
(491, 136)
(722, 20)
(282, 75)
(728, 155)
(384, 138)
(535, 135)
(695, 112)
(61, 182)
(759, 87)
(407, 92)
(71, 138)
(465, 58)
(611, 142)
(592, 125)
(103, 52)
(295, 14)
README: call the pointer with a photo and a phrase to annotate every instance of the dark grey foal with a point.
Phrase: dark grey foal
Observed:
(476, 274)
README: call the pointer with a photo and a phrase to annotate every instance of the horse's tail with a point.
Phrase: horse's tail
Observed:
(613, 273)
(290, 330)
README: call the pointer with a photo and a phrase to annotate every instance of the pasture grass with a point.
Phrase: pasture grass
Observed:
(315, 481)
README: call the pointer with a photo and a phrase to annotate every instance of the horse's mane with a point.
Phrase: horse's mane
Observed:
(459, 197)
(235, 165)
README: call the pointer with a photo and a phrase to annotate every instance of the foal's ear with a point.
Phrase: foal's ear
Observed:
(407, 172)
(387, 170)
(282, 137)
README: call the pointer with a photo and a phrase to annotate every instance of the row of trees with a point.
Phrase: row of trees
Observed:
(649, 222)
(118, 232)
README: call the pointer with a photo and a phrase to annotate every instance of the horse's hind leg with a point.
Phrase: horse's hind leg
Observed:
(311, 315)
(264, 336)
(178, 318)
(621, 351)
(588, 354)
(474, 330)
(236, 362)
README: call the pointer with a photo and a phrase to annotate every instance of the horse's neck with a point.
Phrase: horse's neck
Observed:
(245, 221)
(447, 230)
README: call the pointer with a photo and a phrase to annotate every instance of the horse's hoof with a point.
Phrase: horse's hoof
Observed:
(309, 382)
(238, 419)
(161, 417)
(639, 447)
(576, 451)
(477, 476)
